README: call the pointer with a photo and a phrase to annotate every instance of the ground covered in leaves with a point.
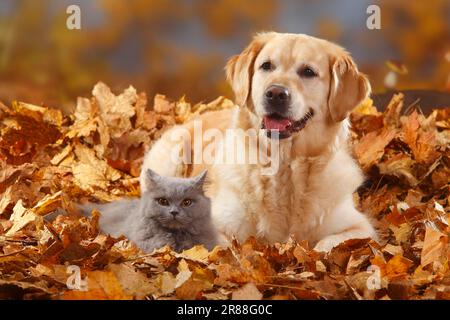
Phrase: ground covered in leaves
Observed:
(49, 161)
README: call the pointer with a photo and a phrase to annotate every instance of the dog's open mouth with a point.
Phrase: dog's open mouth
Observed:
(284, 127)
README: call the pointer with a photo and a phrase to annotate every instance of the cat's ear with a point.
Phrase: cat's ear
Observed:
(151, 179)
(199, 180)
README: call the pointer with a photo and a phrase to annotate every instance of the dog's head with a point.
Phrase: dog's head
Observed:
(290, 80)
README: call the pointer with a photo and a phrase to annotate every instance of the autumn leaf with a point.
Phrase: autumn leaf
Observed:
(434, 245)
(102, 285)
(397, 265)
(422, 144)
(20, 218)
(133, 282)
(247, 292)
(370, 148)
(115, 111)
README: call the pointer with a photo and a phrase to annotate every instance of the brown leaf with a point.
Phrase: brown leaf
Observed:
(434, 245)
(399, 165)
(392, 112)
(133, 282)
(115, 111)
(162, 105)
(370, 148)
(21, 217)
(102, 285)
(422, 143)
(247, 292)
(397, 265)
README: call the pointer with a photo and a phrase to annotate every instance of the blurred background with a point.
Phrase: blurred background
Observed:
(179, 47)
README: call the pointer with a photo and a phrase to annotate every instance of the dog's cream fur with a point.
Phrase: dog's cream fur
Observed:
(310, 197)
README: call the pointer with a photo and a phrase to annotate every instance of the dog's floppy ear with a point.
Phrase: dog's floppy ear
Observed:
(240, 68)
(348, 87)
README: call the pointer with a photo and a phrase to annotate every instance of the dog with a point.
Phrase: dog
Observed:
(297, 90)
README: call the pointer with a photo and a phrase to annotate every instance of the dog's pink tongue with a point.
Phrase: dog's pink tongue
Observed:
(280, 124)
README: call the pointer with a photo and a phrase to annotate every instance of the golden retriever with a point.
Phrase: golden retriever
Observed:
(297, 91)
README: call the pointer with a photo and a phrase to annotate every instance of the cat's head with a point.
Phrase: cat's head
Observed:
(176, 203)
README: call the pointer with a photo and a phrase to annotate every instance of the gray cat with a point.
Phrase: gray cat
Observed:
(173, 211)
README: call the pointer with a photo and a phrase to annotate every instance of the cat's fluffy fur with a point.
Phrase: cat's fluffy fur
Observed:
(151, 225)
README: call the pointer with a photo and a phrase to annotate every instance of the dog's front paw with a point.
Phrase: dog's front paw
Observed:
(326, 244)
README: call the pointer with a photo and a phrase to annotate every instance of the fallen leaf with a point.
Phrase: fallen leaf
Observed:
(20, 218)
(102, 285)
(247, 292)
(115, 111)
(370, 148)
(433, 246)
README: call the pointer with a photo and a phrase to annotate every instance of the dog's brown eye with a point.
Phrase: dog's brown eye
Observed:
(162, 202)
(307, 72)
(267, 66)
(186, 202)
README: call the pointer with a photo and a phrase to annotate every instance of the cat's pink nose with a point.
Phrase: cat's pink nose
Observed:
(174, 213)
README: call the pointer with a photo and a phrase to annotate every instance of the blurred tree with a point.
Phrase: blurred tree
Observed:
(227, 18)
(153, 44)
(420, 33)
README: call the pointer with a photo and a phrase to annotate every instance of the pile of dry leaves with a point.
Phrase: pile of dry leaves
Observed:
(49, 161)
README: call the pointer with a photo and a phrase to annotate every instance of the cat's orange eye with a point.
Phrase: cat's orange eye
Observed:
(162, 202)
(186, 202)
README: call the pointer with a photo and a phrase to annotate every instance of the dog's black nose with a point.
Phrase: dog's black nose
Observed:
(174, 213)
(277, 95)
